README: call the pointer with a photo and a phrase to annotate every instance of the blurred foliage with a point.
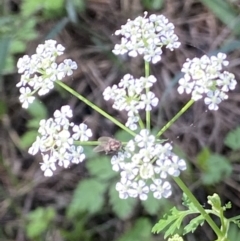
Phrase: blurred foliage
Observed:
(214, 167)
(232, 140)
(226, 12)
(53, 9)
(233, 232)
(140, 231)
(15, 32)
(39, 221)
(49, 9)
(152, 4)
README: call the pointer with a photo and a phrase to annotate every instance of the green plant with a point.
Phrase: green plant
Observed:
(145, 161)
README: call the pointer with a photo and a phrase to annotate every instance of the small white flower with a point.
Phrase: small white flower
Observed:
(56, 143)
(144, 139)
(48, 165)
(148, 82)
(35, 146)
(146, 36)
(129, 171)
(62, 117)
(82, 133)
(163, 150)
(204, 76)
(226, 81)
(76, 154)
(67, 67)
(176, 165)
(117, 161)
(131, 122)
(185, 85)
(148, 100)
(63, 157)
(23, 64)
(162, 167)
(26, 97)
(40, 70)
(109, 93)
(161, 189)
(139, 189)
(212, 100)
(123, 188)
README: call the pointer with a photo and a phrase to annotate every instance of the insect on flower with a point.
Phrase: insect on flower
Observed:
(108, 144)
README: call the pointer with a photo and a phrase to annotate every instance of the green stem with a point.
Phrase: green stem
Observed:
(192, 198)
(141, 124)
(148, 114)
(95, 107)
(87, 143)
(234, 218)
(182, 111)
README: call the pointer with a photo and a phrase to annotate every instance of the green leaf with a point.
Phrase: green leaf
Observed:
(141, 231)
(232, 139)
(78, 230)
(38, 110)
(33, 123)
(29, 7)
(123, 136)
(27, 31)
(152, 205)
(171, 222)
(10, 65)
(101, 168)
(54, 5)
(18, 46)
(88, 196)
(5, 43)
(50, 9)
(203, 157)
(215, 202)
(218, 168)
(168, 219)
(187, 203)
(153, 4)
(194, 223)
(27, 139)
(233, 233)
(225, 12)
(123, 208)
(39, 221)
(90, 154)
(3, 108)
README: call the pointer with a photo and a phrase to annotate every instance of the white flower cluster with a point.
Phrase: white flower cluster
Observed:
(56, 142)
(144, 166)
(128, 96)
(146, 36)
(40, 70)
(204, 78)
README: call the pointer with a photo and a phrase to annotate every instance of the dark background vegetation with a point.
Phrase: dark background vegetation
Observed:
(80, 203)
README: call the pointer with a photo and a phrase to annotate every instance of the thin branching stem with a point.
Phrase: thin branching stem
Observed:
(96, 108)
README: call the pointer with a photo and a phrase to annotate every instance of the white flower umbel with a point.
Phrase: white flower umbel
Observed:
(56, 141)
(146, 36)
(205, 78)
(129, 95)
(143, 166)
(40, 70)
